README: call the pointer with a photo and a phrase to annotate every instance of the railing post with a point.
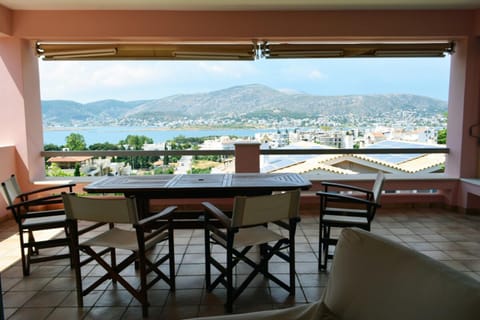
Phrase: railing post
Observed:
(247, 157)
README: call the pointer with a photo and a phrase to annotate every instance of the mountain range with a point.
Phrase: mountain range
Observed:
(240, 102)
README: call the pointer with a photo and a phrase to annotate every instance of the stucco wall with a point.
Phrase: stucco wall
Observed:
(7, 154)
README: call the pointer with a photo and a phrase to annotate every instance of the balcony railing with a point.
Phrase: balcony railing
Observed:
(399, 188)
(230, 152)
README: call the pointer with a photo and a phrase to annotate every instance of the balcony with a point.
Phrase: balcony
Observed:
(48, 293)
(430, 223)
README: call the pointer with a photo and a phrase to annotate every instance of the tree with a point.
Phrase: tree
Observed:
(56, 171)
(76, 173)
(51, 147)
(442, 136)
(75, 141)
(134, 142)
(103, 146)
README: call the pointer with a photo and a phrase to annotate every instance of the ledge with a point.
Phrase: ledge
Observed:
(474, 182)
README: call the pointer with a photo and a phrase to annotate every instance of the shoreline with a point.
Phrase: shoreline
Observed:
(92, 135)
(155, 128)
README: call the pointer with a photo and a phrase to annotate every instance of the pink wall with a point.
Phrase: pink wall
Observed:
(247, 157)
(19, 82)
(463, 109)
(5, 21)
(243, 25)
(21, 120)
(477, 23)
(7, 154)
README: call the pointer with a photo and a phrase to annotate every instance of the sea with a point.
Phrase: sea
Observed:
(113, 135)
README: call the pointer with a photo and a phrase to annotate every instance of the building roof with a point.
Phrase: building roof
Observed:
(402, 163)
(70, 159)
(398, 158)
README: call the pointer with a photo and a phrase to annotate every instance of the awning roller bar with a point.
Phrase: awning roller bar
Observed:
(235, 51)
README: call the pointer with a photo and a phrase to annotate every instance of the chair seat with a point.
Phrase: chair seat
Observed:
(122, 239)
(344, 219)
(358, 212)
(251, 236)
(47, 222)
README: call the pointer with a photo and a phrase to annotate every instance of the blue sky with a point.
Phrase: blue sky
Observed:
(135, 80)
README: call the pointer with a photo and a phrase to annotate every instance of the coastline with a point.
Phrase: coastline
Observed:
(190, 128)
(114, 134)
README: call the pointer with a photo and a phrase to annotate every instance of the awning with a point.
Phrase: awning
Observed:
(236, 51)
(355, 50)
(144, 51)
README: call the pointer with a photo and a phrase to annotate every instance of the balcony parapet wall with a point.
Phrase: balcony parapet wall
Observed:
(400, 189)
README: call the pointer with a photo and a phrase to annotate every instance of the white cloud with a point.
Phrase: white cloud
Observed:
(131, 80)
(227, 69)
(86, 81)
(301, 71)
(316, 74)
(119, 75)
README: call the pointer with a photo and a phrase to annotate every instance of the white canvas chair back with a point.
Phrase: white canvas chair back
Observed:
(257, 210)
(10, 190)
(378, 186)
(122, 210)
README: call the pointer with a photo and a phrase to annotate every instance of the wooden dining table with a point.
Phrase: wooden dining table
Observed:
(196, 186)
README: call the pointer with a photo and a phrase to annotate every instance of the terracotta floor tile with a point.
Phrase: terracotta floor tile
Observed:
(49, 293)
(31, 313)
(47, 299)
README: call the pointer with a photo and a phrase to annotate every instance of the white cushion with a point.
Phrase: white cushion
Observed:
(375, 278)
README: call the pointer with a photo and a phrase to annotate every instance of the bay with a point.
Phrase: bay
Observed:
(113, 135)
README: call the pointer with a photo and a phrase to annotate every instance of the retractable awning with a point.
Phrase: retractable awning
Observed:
(144, 51)
(354, 50)
(235, 51)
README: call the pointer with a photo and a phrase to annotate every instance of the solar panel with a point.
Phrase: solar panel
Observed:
(397, 157)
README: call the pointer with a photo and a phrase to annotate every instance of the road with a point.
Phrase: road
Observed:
(184, 165)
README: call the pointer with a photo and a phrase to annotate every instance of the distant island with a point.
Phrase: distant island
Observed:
(249, 106)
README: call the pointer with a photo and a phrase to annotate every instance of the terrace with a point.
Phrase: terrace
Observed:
(449, 237)
(436, 224)
(23, 26)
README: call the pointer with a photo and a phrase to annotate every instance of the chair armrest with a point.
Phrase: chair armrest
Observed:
(164, 214)
(218, 214)
(28, 193)
(338, 196)
(42, 214)
(36, 202)
(345, 186)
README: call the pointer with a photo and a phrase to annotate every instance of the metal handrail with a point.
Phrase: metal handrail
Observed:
(129, 153)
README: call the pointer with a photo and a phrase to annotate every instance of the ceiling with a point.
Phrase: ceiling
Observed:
(239, 4)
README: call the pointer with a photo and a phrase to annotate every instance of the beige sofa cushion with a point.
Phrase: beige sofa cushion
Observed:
(374, 278)
(312, 311)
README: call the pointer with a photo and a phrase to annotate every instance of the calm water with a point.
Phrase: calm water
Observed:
(115, 134)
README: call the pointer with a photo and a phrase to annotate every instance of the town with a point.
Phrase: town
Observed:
(379, 136)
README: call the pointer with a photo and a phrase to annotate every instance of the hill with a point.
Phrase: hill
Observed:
(240, 103)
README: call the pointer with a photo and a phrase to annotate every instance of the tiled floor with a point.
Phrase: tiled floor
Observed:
(48, 292)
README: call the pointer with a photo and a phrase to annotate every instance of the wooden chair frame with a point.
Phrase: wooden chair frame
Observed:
(341, 210)
(28, 209)
(221, 230)
(145, 230)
